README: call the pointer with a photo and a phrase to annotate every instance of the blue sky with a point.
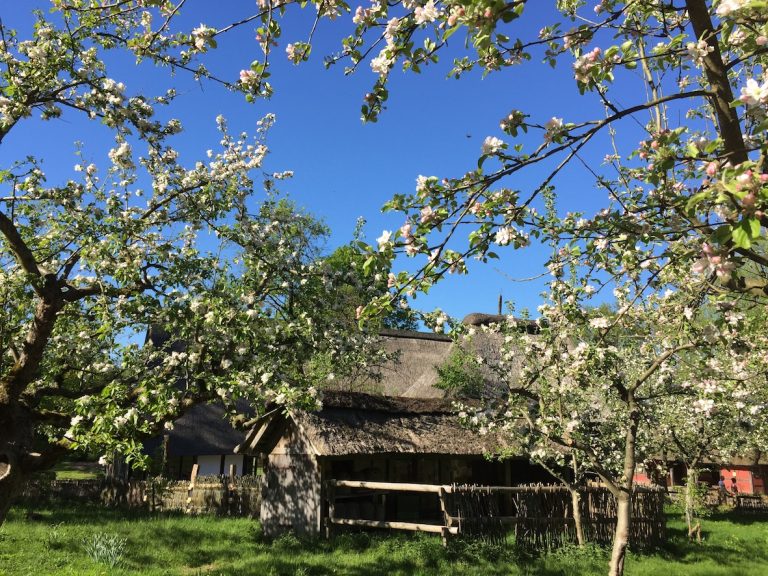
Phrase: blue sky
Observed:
(343, 168)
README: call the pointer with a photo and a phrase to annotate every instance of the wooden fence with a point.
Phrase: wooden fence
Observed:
(540, 516)
(221, 495)
(751, 503)
(741, 503)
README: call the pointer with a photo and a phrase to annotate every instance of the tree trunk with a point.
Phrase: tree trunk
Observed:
(690, 500)
(576, 504)
(12, 482)
(15, 444)
(623, 492)
(621, 536)
(717, 76)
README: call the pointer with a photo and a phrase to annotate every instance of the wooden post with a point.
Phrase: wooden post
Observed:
(446, 516)
(444, 535)
(331, 495)
(192, 480)
(231, 488)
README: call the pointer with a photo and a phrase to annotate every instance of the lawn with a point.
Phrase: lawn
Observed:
(53, 540)
(78, 471)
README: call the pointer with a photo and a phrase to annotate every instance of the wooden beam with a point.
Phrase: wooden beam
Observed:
(392, 486)
(444, 507)
(447, 489)
(395, 525)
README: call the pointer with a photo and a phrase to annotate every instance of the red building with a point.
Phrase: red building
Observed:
(751, 477)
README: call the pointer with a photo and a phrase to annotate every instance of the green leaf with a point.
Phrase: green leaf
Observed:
(754, 227)
(722, 234)
(450, 32)
(690, 206)
(741, 238)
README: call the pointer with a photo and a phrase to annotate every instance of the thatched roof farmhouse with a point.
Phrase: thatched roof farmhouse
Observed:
(203, 436)
(358, 436)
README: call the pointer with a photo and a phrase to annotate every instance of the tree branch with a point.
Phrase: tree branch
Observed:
(20, 249)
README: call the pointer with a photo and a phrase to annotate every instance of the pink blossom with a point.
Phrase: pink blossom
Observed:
(426, 13)
(754, 94)
(248, 76)
(725, 7)
(491, 145)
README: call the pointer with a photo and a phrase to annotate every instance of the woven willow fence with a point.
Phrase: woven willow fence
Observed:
(222, 495)
(542, 516)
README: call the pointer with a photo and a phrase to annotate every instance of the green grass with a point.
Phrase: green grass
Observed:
(52, 541)
(77, 471)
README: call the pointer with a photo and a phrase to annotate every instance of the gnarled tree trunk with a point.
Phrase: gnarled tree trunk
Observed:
(15, 445)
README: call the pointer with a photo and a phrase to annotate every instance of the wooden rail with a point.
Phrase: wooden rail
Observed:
(445, 530)
(392, 486)
(413, 526)
(538, 530)
(448, 489)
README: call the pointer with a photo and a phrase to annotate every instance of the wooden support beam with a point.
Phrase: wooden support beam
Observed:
(443, 507)
(395, 525)
(448, 489)
(392, 486)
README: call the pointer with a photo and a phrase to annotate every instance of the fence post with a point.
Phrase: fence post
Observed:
(191, 487)
(232, 498)
(446, 515)
(331, 496)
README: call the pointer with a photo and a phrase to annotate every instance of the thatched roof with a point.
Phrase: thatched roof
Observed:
(412, 372)
(203, 430)
(408, 380)
(354, 423)
(480, 319)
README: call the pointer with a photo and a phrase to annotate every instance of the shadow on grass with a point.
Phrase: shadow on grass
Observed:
(741, 518)
(728, 539)
(58, 511)
(206, 545)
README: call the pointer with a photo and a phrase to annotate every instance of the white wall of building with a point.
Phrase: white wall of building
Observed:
(211, 465)
(208, 465)
(237, 460)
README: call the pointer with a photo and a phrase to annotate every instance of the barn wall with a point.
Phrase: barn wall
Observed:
(291, 495)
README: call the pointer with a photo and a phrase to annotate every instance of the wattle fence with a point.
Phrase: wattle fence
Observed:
(222, 495)
(541, 516)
